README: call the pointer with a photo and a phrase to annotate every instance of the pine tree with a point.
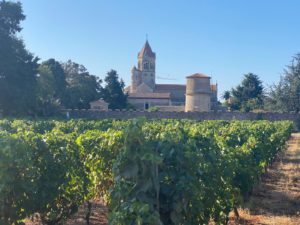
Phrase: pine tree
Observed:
(248, 95)
(113, 92)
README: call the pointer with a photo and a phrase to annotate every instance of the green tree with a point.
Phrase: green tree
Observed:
(48, 103)
(18, 67)
(113, 91)
(10, 17)
(248, 95)
(285, 96)
(51, 89)
(226, 95)
(59, 77)
(82, 87)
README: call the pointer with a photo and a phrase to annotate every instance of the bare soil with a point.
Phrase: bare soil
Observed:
(276, 200)
(98, 215)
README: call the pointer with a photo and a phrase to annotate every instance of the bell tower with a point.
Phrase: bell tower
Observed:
(146, 64)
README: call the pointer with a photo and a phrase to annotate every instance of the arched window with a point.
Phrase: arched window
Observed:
(146, 66)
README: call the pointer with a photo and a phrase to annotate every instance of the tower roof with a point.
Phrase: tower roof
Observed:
(146, 51)
(198, 75)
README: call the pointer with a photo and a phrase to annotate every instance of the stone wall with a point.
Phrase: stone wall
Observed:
(95, 114)
(139, 103)
(173, 108)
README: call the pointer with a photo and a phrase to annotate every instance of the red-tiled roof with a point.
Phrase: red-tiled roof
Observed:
(150, 95)
(198, 75)
(169, 87)
(146, 50)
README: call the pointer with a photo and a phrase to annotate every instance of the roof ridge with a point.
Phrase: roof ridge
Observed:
(198, 75)
(146, 50)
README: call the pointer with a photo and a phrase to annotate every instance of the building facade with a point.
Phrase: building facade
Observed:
(99, 105)
(144, 93)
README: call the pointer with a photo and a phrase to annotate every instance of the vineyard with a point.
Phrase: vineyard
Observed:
(156, 172)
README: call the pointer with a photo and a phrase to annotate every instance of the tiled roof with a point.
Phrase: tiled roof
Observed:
(169, 87)
(198, 75)
(99, 101)
(146, 50)
(143, 87)
(150, 95)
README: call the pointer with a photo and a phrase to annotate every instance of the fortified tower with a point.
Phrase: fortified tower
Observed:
(145, 72)
(198, 92)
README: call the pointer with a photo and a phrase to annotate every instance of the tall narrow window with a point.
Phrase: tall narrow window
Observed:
(146, 66)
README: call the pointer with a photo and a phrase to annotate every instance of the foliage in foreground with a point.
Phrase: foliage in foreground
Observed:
(149, 172)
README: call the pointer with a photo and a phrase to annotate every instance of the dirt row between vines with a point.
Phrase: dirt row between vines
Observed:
(275, 201)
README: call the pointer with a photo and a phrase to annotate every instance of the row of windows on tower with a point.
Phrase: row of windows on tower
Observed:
(147, 66)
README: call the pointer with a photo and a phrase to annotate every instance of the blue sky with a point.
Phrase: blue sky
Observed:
(222, 38)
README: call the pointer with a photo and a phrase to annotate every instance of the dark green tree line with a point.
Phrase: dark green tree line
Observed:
(30, 88)
(18, 67)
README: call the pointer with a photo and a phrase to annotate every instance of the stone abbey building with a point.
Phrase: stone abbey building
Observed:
(197, 95)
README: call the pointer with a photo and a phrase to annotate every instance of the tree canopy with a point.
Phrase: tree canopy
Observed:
(285, 96)
(47, 102)
(226, 95)
(248, 95)
(11, 14)
(18, 67)
(82, 87)
(59, 77)
(113, 92)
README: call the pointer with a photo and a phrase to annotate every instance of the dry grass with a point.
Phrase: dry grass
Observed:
(276, 200)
